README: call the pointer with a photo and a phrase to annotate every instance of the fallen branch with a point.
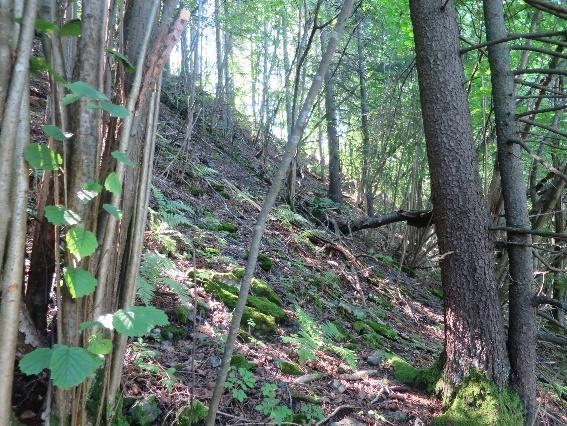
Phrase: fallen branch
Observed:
(551, 338)
(418, 219)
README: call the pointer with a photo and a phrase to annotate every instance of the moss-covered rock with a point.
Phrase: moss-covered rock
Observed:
(182, 314)
(365, 325)
(231, 228)
(192, 414)
(427, 379)
(240, 361)
(263, 289)
(479, 401)
(265, 262)
(291, 368)
(259, 309)
(173, 332)
(145, 411)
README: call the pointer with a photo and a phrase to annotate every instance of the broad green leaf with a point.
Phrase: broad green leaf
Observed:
(60, 216)
(41, 157)
(71, 28)
(89, 192)
(79, 89)
(115, 110)
(44, 26)
(112, 183)
(117, 213)
(80, 243)
(79, 282)
(128, 67)
(138, 320)
(98, 345)
(123, 158)
(70, 366)
(55, 132)
(36, 361)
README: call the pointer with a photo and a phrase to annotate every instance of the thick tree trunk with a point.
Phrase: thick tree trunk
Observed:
(522, 328)
(334, 191)
(474, 332)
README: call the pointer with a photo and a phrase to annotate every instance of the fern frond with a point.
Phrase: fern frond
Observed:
(177, 288)
(145, 290)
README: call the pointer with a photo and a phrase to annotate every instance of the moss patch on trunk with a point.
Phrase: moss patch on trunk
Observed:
(479, 401)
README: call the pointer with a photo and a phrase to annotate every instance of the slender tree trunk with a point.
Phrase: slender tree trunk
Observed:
(260, 226)
(522, 328)
(334, 191)
(366, 184)
(474, 333)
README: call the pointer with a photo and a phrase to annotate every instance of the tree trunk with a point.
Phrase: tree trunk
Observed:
(474, 333)
(334, 191)
(522, 327)
(366, 184)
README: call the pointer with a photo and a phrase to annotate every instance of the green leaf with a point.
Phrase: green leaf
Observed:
(80, 243)
(128, 67)
(138, 320)
(112, 183)
(114, 110)
(71, 28)
(90, 190)
(123, 158)
(60, 216)
(36, 361)
(117, 213)
(98, 345)
(70, 366)
(40, 65)
(55, 132)
(44, 26)
(79, 282)
(41, 157)
(89, 324)
(80, 89)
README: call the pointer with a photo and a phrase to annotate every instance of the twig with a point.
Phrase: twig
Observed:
(334, 413)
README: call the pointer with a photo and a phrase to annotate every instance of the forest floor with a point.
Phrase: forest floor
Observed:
(341, 296)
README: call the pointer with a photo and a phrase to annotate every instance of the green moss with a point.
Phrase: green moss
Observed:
(287, 367)
(260, 310)
(231, 228)
(421, 378)
(366, 325)
(359, 326)
(145, 411)
(211, 251)
(373, 339)
(240, 361)
(192, 414)
(265, 262)
(239, 273)
(183, 314)
(173, 332)
(201, 275)
(437, 292)
(479, 401)
(263, 289)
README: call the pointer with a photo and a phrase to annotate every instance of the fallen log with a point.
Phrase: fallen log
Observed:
(417, 218)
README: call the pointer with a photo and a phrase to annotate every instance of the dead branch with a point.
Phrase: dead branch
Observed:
(418, 219)
(544, 300)
(551, 338)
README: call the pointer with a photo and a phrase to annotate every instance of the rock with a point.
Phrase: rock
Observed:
(338, 386)
(215, 361)
(374, 358)
(347, 421)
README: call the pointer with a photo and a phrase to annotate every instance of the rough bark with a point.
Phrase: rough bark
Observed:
(522, 327)
(474, 332)
(334, 190)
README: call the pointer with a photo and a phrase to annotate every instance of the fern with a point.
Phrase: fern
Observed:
(313, 337)
(285, 215)
(152, 273)
(172, 212)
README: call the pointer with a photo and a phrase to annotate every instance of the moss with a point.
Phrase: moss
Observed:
(426, 379)
(231, 228)
(201, 275)
(211, 251)
(373, 339)
(239, 272)
(173, 332)
(265, 262)
(240, 361)
(260, 310)
(183, 314)
(287, 367)
(195, 191)
(263, 289)
(192, 414)
(479, 401)
(382, 329)
(437, 292)
(145, 411)
(359, 326)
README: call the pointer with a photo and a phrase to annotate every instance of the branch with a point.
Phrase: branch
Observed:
(540, 160)
(540, 71)
(513, 230)
(552, 338)
(540, 50)
(553, 9)
(539, 86)
(543, 126)
(514, 37)
(418, 219)
(545, 300)
(541, 111)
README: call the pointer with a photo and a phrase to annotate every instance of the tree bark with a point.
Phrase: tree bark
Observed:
(334, 191)
(474, 332)
(522, 327)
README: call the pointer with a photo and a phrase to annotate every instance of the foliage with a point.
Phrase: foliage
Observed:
(291, 368)
(478, 401)
(312, 412)
(239, 382)
(192, 414)
(313, 337)
(272, 407)
(145, 411)
(152, 273)
(172, 212)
